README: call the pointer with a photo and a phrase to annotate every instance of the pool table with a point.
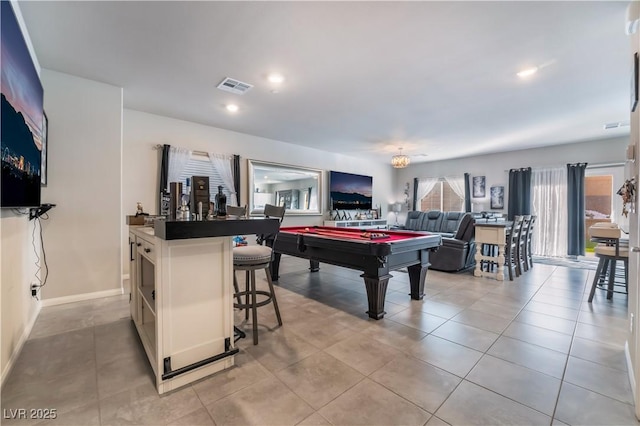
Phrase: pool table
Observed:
(374, 252)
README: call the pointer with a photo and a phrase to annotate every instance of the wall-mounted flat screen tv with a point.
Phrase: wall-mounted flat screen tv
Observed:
(350, 192)
(21, 117)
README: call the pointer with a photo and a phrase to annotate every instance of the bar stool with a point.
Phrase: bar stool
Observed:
(528, 253)
(610, 250)
(511, 249)
(521, 252)
(240, 213)
(249, 259)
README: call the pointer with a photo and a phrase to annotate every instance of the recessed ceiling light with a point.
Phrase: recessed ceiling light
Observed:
(232, 107)
(276, 78)
(527, 72)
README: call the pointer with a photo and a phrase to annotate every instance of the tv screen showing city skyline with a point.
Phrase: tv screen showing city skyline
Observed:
(22, 117)
(350, 191)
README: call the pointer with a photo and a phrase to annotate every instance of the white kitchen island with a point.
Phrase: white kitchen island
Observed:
(181, 295)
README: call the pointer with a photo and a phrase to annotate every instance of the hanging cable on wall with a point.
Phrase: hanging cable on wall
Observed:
(40, 261)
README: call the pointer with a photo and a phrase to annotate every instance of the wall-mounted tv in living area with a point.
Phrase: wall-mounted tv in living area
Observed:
(350, 192)
(21, 117)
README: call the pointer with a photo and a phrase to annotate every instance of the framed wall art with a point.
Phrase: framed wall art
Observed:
(497, 197)
(479, 187)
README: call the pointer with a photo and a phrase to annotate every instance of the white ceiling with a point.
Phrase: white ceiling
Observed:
(362, 78)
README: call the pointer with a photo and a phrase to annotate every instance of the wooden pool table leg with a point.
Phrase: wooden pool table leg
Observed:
(376, 293)
(314, 265)
(417, 277)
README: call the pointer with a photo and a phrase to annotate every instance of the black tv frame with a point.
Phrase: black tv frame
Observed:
(22, 117)
(356, 198)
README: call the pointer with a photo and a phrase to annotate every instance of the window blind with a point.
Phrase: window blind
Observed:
(200, 165)
(442, 197)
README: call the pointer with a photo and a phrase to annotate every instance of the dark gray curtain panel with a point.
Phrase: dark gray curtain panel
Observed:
(236, 176)
(519, 192)
(467, 193)
(164, 175)
(575, 209)
(415, 194)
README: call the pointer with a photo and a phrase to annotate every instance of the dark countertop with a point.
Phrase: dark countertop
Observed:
(494, 224)
(184, 229)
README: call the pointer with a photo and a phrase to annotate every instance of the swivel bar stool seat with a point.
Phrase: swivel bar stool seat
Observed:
(249, 259)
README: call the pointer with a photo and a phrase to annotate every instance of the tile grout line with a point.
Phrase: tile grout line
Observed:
(463, 379)
(500, 335)
(566, 363)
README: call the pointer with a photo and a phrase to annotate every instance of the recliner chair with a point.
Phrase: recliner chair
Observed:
(457, 229)
(458, 252)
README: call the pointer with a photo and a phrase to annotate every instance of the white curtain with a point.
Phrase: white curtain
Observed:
(313, 198)
(178, 159)
(457, 185)
(550, 206)
(222, 164)
(425, 186)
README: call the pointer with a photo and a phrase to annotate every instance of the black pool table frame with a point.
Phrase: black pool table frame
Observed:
(374, 258)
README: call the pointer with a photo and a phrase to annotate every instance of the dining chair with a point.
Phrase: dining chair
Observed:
(237, 211)
(511, 249)
(521, 254)
(528, 252)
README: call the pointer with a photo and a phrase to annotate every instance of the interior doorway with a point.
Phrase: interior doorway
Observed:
(601, 203)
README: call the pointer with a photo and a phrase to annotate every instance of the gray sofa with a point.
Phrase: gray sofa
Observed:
(458, 243)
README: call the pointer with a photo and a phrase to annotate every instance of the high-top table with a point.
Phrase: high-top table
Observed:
(494, 233)
(610, 249)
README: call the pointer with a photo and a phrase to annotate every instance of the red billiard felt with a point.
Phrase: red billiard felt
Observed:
(351, 233)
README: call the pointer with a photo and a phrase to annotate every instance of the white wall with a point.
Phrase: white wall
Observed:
(632, 170)
(18, 310)
(142, 131)
(82, 236)
(18, 269)
(496, 166)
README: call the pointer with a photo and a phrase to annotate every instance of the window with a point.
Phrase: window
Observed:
(598, 196)
(200, 165)
(442, 197)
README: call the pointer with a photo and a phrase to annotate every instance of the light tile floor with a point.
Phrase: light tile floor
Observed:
(474, 351)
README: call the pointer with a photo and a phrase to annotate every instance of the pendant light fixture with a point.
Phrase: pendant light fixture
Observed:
(400, 160)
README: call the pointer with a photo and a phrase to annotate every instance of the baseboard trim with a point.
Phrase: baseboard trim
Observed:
(81, 297)
(23, 339)
(632, 378)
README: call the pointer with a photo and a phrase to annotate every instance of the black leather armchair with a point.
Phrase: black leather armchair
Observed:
(458, 248)
(458, 252)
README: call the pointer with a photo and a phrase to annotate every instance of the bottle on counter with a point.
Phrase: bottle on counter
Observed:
(185, 211)
(221, 202)
(187, 195)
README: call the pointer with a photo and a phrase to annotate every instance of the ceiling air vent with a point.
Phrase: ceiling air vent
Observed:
(615, 125)
(234, 86)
